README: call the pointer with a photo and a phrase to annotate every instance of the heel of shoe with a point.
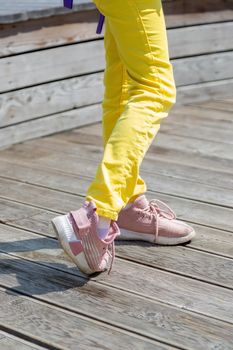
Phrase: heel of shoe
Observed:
(63, 230)
(62, 227)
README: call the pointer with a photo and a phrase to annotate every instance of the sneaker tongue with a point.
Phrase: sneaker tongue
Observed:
(141, 202)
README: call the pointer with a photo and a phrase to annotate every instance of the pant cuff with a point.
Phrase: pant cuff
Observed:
(110, 214)
(107, 213)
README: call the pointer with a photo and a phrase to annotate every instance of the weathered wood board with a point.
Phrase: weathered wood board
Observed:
(48, 70)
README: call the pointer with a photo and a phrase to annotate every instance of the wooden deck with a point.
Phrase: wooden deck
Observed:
(156, 297)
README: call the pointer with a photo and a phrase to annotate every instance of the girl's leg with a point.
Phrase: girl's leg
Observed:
(139, 31)
(115, 95)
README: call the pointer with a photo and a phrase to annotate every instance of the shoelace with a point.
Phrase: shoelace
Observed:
(112, 256)
(158, 208)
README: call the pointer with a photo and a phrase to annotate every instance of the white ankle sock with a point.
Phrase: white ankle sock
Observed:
(103, 227)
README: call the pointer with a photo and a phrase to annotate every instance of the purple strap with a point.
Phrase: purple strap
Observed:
(100, 23)
(69, 5)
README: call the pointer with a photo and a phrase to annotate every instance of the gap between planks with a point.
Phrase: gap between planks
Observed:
(9, 341)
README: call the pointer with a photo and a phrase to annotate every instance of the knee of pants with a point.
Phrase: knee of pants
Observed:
(167, 88)
(173, 93)
(156, 78)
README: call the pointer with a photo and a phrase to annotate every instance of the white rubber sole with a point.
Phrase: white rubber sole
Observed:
(127, 235)
(64, 229)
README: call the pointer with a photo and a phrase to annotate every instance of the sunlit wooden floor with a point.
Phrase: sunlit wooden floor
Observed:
(156, 297)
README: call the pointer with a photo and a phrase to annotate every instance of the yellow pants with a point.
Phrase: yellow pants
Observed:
(139, 91)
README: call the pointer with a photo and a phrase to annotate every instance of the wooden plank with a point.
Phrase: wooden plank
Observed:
(179, 260)
(191, 182)
(214, 10)
(151, 283)
(181, 13)
(194, 211)
(208, 116)
(212, 241)
(47, 99)
(38, 220)
(179, 156)
(10, 342)
(182, 187)
(46, 253)
(201, 266)
(230, 100)
(80, 142)
(204, 91)
(203, 147)
(196, 115)
(179, 121)
(172, 127)
(28, 9)
(182, 6)
(204, 68)
(169, 265)
(48, 125)
(56, 97)
(202, 39)
(217, 105)
(77, 27)
(198, 265)
(117, 310)
(181, 19)
(73, 60)
(54, 327)
(205, 154)
(163, 182)
(13, 213)
(52, 31)
(181, 171)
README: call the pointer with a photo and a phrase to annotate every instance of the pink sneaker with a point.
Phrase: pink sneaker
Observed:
(77, 234)
(153, 222)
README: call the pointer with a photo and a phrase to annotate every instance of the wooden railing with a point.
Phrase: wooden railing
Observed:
(52, 63)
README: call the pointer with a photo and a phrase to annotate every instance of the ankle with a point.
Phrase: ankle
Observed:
(103, 227)
(131, 200)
